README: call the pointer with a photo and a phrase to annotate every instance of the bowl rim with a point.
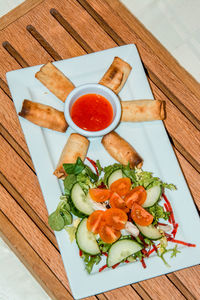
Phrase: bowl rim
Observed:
(99, 88)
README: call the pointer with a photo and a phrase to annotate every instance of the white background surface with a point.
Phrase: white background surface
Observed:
(176, 24)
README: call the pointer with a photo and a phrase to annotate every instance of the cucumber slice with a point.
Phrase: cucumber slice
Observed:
(150, 232)
(80, 200)
(115, 175)
(86, 240)
(120, 250)
(153, 195)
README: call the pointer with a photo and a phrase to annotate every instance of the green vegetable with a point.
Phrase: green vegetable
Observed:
(99, 167)
(84, 180)
(69, 181)
(71, 230)
(138, 240)
(109, 170)
(126, 237)
(74, 210)
(74, 168)
(67, 217)
(61, 216)
(127, 171)
(131, 258)
(90, 261)
(146, 179)
(158, 212)
(138, 255)
(174, 253)
(92, 175)
(104, 247)
(56, 221)
(147, 241)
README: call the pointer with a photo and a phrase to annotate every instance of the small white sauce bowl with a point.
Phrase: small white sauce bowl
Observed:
(93, 88)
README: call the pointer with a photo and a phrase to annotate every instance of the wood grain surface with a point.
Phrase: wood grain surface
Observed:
(59, 29)
(17, 12)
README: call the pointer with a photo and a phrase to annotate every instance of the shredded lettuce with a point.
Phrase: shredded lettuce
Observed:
(163, 251)
(158, 212)
(85, 181)
(146, 179)
(104, 247)
(138, 255)
(90, 261)
(72, 230)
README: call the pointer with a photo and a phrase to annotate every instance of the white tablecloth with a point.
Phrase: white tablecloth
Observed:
(176, 25)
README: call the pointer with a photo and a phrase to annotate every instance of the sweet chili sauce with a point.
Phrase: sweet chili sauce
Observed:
(92, 112)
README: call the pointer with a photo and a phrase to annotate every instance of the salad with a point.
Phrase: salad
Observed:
(118, 213)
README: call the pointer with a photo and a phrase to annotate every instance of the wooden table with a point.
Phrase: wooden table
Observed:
(58, 29)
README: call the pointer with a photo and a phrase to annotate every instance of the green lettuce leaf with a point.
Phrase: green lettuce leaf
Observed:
(74, 168)
(69, 181)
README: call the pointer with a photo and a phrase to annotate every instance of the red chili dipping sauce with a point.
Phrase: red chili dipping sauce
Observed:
(92, 112)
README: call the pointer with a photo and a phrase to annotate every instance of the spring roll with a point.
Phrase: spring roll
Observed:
(43, 115)
(116, 75)
(121, 150)
(55, 81)
(76, 146)
(142, 110)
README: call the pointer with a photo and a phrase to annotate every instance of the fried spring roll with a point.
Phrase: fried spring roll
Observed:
(116, 75)
(142, 110)
(55, 81)
(76, 146)
(43, 115)
(121, 150)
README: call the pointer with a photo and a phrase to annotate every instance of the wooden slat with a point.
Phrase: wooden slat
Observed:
(17, 12)
(164, 290)
(9, 138)
(28, 209)
(43, 42)
(58, 38)
(15, 54)
(182, 288)
(15, 170)
(10, 121)
(175, 122)
(70, 29)
(32, 260)
(5, 88)
(192, 177)
(126, 292)
(33, 235)
(190, 277)
(142, 292)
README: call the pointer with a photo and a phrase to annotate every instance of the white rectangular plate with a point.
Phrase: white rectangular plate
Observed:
(149, 139)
